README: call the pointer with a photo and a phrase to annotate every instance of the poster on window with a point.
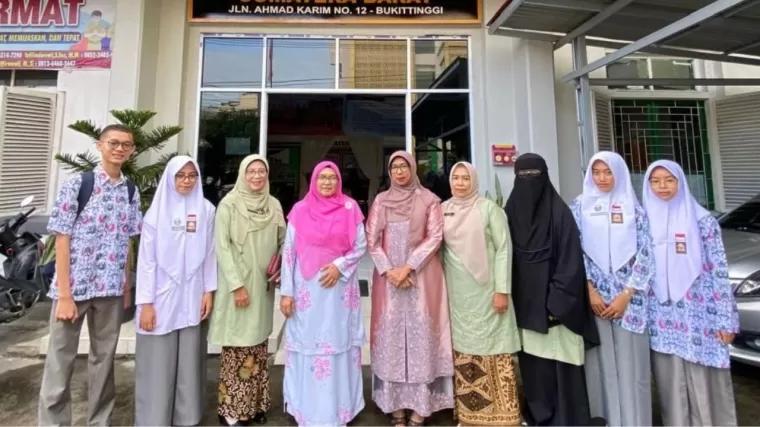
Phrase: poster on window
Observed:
(338, 11)
(56, 34)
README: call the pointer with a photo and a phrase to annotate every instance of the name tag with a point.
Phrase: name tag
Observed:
(681, 243)
(616, 214)
(192, 223)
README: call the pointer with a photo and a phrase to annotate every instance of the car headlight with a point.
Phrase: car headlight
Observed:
(749, 287)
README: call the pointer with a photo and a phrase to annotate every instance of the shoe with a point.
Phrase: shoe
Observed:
(598, 422)
(260, 418)
(224, 422)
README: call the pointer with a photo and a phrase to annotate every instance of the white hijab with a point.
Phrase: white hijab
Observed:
(674, 272)
(178, 253)
(609, 244)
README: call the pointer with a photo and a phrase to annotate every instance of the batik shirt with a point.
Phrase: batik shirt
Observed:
(689, 328)
(99, 237)
(636, 274)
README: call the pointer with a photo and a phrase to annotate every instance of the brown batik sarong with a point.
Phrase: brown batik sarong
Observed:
(243, 382)
(485, 390)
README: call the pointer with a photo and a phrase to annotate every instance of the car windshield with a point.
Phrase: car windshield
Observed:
(744, 218)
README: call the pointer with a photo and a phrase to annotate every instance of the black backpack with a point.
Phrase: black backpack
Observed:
(88, 183)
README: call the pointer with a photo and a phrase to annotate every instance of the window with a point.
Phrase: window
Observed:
(651, 68)
(29, 78)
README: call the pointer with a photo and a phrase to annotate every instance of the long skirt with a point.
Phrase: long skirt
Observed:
(243, 382)
(325, 390)
(555, 392)
(486, 390)
(170, 376)
(692, 394)
(618, 375)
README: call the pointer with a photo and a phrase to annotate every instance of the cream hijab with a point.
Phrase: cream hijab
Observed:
(463, 228)
(256, 206)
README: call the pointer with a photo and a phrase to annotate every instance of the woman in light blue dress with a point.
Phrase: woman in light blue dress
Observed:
(324, 332)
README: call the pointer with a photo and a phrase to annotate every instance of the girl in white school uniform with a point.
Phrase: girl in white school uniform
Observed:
(176, 278)
(692, 311)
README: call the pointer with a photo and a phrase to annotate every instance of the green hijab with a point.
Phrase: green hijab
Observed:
(257, 207)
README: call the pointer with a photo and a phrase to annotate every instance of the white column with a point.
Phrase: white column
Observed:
(125, 64)
(170, 60)
(519, 101)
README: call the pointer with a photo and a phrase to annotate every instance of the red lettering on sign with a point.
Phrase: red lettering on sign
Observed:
(40, 13)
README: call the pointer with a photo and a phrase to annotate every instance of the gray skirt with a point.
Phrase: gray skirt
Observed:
(170, 376)
(618, 376)
(692, 394)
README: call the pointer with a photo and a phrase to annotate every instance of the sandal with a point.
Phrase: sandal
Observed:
(398, 420)
(412, 422)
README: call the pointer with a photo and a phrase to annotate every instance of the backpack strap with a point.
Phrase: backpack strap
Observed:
(85, 191)
(88, 184)
(131, 189)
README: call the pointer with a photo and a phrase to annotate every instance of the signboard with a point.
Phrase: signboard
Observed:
(56, 34)
(417, 12)
(504, 155)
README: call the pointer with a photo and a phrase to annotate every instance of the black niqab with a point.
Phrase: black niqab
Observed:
(549, 277)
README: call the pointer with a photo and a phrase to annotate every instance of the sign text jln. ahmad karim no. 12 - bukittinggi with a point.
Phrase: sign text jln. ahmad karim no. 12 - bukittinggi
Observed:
(454, 12)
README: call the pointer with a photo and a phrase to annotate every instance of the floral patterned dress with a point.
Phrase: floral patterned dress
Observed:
(688, 328)
(323, 340)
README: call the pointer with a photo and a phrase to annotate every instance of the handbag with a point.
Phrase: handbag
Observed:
(273, 268)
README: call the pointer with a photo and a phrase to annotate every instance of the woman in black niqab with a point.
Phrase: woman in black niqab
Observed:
(550, 297)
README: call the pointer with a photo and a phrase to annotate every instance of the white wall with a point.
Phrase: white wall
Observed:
(91, 94)
(513, 91)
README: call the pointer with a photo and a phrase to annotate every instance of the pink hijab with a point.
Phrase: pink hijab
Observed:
(407, 203)
(325, 226)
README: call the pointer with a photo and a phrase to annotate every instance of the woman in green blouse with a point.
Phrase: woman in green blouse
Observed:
(477, 259)
(250, 230)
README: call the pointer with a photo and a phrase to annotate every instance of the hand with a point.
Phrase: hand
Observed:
(241, 297)
(147, 317)
(617, 307)
(726, 337)
(500, 303)
(287, 306)
(330, 276)
(206, 305)
(66, 310)
(127, 298)
(597, 302)
(398, 275)
(407, 283)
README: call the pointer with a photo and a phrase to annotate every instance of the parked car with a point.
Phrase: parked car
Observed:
(741, 237)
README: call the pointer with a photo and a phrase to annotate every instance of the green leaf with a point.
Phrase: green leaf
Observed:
(144, 174)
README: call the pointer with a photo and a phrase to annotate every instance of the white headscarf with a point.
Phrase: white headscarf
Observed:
(674, 272)
(609, 243)
(178, 253)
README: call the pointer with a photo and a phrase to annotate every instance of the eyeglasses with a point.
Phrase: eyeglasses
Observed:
(125, 145)
(667, 182)
(188, 178)
(331, 178)
(256, 172)
(399, 168)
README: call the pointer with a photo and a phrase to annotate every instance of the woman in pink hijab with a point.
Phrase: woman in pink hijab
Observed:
(412, 360)
(324, 332)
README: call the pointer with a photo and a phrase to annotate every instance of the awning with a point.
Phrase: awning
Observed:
(716, 30)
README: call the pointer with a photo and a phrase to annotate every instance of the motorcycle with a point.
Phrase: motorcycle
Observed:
(23, 283)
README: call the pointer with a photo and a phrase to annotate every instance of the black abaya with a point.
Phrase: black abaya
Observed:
(548, 289)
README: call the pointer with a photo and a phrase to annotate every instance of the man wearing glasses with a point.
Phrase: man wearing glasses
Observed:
(92, 279)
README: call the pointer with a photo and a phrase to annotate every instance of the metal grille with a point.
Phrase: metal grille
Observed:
(647, 130)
